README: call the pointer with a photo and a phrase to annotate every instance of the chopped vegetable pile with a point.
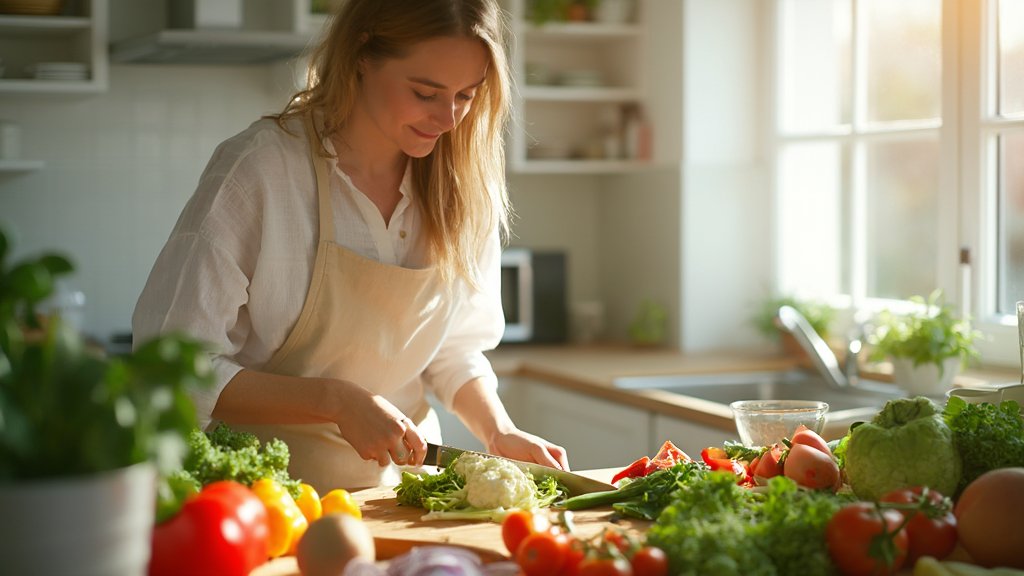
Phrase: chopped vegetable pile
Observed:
(714, 526)
(476, 487)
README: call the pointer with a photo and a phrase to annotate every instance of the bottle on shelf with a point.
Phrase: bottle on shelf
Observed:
(637, 133)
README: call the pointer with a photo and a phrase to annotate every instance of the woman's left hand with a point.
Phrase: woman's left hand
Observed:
(520, 445)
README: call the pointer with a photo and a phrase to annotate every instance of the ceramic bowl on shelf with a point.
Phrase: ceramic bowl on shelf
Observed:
(31, 7)
(764, 422)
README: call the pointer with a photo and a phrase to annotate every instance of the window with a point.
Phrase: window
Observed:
(895, 146)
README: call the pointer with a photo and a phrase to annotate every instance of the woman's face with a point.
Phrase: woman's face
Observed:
(415, 99)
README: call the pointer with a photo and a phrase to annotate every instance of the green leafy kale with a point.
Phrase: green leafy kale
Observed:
(227, 454)
(717, 527)
(987, 436)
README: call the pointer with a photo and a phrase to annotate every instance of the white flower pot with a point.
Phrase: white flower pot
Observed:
(87, 525)
(925, 379)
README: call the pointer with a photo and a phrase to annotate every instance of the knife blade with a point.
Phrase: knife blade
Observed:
(441, 456)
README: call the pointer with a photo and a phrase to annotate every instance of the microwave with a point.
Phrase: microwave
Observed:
(533, 295)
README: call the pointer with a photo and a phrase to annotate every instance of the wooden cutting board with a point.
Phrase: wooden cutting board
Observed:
(397, 529)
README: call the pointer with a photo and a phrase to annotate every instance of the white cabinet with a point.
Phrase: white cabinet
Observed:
(79, 38)
(579, 107)
(596, 433)
(688, 436)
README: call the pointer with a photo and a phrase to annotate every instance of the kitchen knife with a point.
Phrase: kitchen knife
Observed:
(441, 456)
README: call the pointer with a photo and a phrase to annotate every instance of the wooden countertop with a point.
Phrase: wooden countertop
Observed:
(398, 529)
(592, 369)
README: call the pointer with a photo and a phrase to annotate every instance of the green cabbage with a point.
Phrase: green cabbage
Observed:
(906, 444)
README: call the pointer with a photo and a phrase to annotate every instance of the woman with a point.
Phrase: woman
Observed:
(344, 255)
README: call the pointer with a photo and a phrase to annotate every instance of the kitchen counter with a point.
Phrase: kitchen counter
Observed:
(397, 529)
(592, 369)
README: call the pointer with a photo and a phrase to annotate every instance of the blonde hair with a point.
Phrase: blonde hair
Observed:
(460, 185)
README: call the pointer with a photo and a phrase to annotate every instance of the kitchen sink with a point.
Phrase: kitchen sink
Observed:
(864, 399)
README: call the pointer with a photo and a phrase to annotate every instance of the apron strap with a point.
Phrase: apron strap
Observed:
(322, 187)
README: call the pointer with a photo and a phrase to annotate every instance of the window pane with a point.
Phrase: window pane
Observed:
(904, 59)
(902, 211)
(810, 224)
(815, 64)
(1011, 57)
(1011, 194)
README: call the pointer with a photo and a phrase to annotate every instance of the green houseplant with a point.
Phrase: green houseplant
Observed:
(77, 427)
(927, 346)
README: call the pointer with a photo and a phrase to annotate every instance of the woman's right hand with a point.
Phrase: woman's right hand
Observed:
(378, 430)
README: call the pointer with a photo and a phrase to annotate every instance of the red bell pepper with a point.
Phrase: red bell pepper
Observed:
(634, 470)
(717, 459)
(222, 530)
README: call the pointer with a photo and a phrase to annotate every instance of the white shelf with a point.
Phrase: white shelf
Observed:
(580, 93)
(580, 166)
(21, 165)
(31, 86)
(581, 30)
(43, 24)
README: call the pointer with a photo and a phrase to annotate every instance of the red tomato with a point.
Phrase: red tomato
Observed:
(669, 451)
(768, 465)
(810, 438)
(518, 525)
(812, 468)
(935, 537)
(574, 553)
(852, 531)
(542, 553)
(606, 567)
(650, 561)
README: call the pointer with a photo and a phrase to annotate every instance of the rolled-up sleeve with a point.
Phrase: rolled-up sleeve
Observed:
(477, 327)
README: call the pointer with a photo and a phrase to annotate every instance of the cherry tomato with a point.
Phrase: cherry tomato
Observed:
(854, 529)
(542, 553)
(928, 536)
(650, 561)
(574, 554)
(606, 567)
(518, 525)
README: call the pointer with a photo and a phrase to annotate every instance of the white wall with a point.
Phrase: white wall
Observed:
(727, 256)
(119, 168)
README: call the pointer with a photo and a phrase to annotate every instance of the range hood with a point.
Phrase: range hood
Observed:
(209, 47)
(211, 32)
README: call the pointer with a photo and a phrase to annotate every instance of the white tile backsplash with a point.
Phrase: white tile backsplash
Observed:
(119, 168)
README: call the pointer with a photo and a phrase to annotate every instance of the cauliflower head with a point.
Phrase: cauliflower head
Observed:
(906, 444)
(495, 483)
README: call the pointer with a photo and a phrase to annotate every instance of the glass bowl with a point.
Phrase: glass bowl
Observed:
(764, 422)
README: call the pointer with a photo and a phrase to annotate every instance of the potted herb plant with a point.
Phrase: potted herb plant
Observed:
(82, 435)
(819, 314)
(927, 347)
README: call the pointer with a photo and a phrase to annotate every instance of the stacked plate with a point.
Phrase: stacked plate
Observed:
(59, 71)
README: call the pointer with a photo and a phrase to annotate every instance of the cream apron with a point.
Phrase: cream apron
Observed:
(366, 322)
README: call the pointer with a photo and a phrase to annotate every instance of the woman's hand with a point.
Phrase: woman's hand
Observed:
(380, 431)
(520, 445)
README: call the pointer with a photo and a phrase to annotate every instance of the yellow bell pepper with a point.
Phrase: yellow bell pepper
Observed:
(286, 520)
(340, 501)
(309, 503)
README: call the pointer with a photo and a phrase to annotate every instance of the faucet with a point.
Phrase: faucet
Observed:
(817, 350)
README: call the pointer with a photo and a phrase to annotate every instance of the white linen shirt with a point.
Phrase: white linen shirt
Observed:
(237, 266)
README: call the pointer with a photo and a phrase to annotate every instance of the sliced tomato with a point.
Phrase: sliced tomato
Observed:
(670, 452)
(636, 469)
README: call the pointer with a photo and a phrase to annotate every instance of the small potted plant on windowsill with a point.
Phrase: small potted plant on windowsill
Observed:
(927, 347)
(82, 436)
(818, 314)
